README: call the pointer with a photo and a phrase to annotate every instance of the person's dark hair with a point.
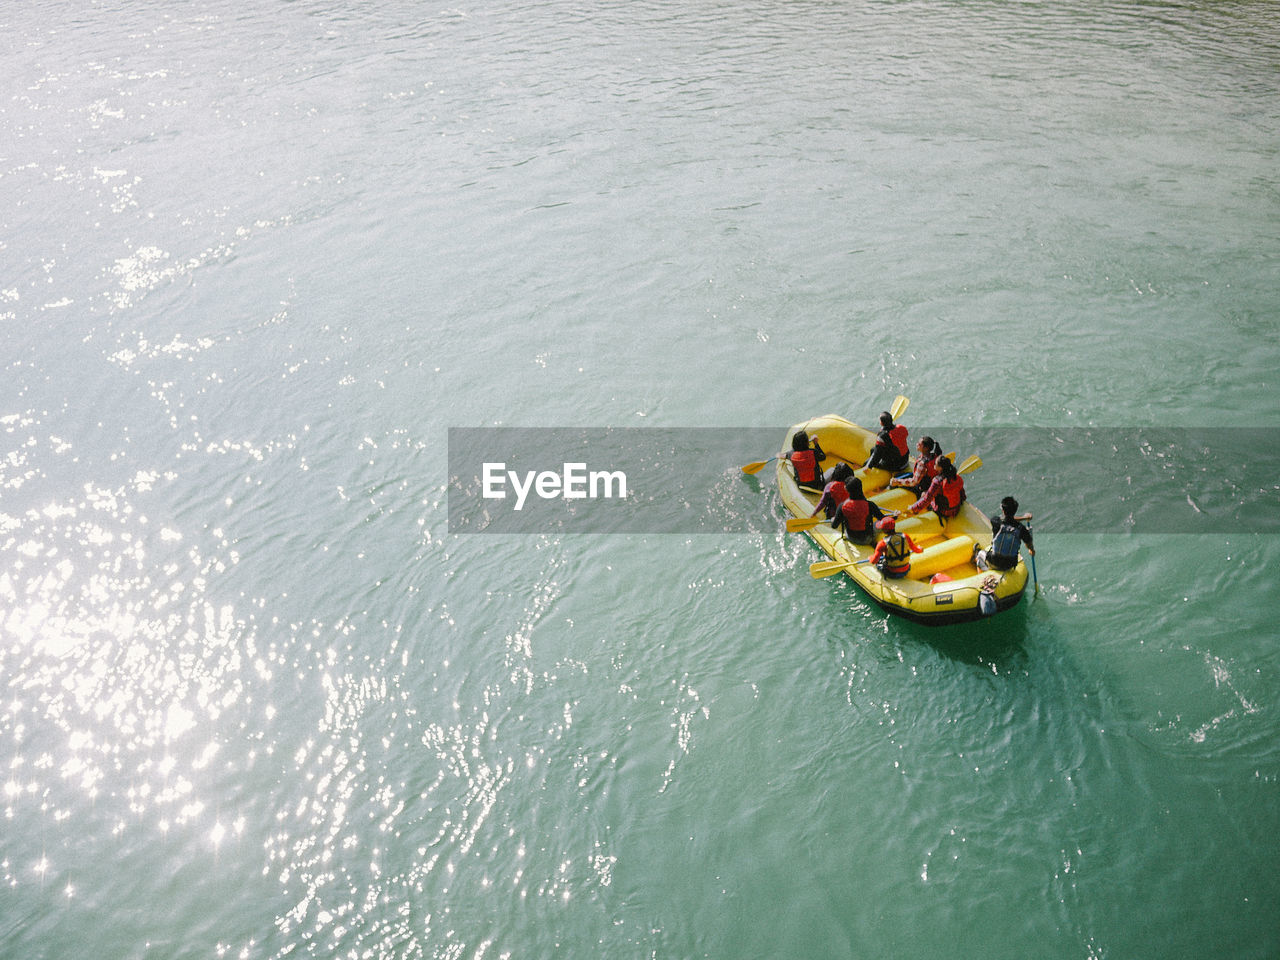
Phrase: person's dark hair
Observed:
(886, 419)
(800, 440)
(946, 467)
(854, 486)
(1009, 506)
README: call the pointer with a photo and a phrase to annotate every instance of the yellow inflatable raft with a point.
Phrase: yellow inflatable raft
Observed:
(943, 585)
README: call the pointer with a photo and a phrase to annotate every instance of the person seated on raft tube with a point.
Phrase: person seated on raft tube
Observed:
(857, 514)
(945, 495)
(891, 451)
(805, 459)
(841, 471)
(925, 469)
(893, 554)
(1007, 531)
(833, 494)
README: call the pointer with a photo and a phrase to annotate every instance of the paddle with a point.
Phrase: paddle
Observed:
(751, 469)
(796, 524)
(826, 568)
(1034, 576)
(900, 404)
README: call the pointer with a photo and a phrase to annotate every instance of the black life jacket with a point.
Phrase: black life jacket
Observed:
(1006, 541)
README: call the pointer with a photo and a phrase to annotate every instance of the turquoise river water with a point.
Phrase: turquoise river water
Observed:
(258, 700)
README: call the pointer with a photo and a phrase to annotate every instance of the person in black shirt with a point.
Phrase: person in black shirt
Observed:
(1007, 534)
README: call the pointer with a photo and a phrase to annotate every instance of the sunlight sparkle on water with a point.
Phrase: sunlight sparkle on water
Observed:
(108, 628)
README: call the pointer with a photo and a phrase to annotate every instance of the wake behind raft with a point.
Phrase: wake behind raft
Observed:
(943, 585)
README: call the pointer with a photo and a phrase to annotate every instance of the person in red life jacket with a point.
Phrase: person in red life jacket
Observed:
(925, 468)
(945, 495)
(841, 471)
(891, 451)
(893, 554)
(833, 494)
(857, 514)
(805, 460)
(1007, 532)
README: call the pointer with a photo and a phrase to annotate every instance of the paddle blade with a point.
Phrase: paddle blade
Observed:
(900, 404)
(796, 524)
(751, 469)
(827, 568)
(973, 463)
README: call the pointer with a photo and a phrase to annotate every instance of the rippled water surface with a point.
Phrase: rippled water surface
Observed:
(257, 701)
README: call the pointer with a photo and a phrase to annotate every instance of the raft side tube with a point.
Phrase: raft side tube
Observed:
(941, 556)
(920, 528)
(840, 439)
(896, 499)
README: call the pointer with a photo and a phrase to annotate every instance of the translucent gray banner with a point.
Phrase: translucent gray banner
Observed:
(689, 480)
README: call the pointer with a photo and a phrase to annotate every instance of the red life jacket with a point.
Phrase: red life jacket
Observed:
(806, 466)
(899, 437)
(857, 515)
(837, 491)
(950, 496)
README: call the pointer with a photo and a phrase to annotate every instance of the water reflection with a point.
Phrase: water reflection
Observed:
(121, 674)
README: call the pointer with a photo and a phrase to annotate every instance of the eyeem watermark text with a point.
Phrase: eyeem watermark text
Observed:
(574, 482)
(686, 480)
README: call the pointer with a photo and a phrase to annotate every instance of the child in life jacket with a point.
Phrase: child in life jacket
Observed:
(834, 494)
(893, 554)
(857, 515)
(841, 471)
(891, 451)
(806, 459)
(925, 468)
(945, 495)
